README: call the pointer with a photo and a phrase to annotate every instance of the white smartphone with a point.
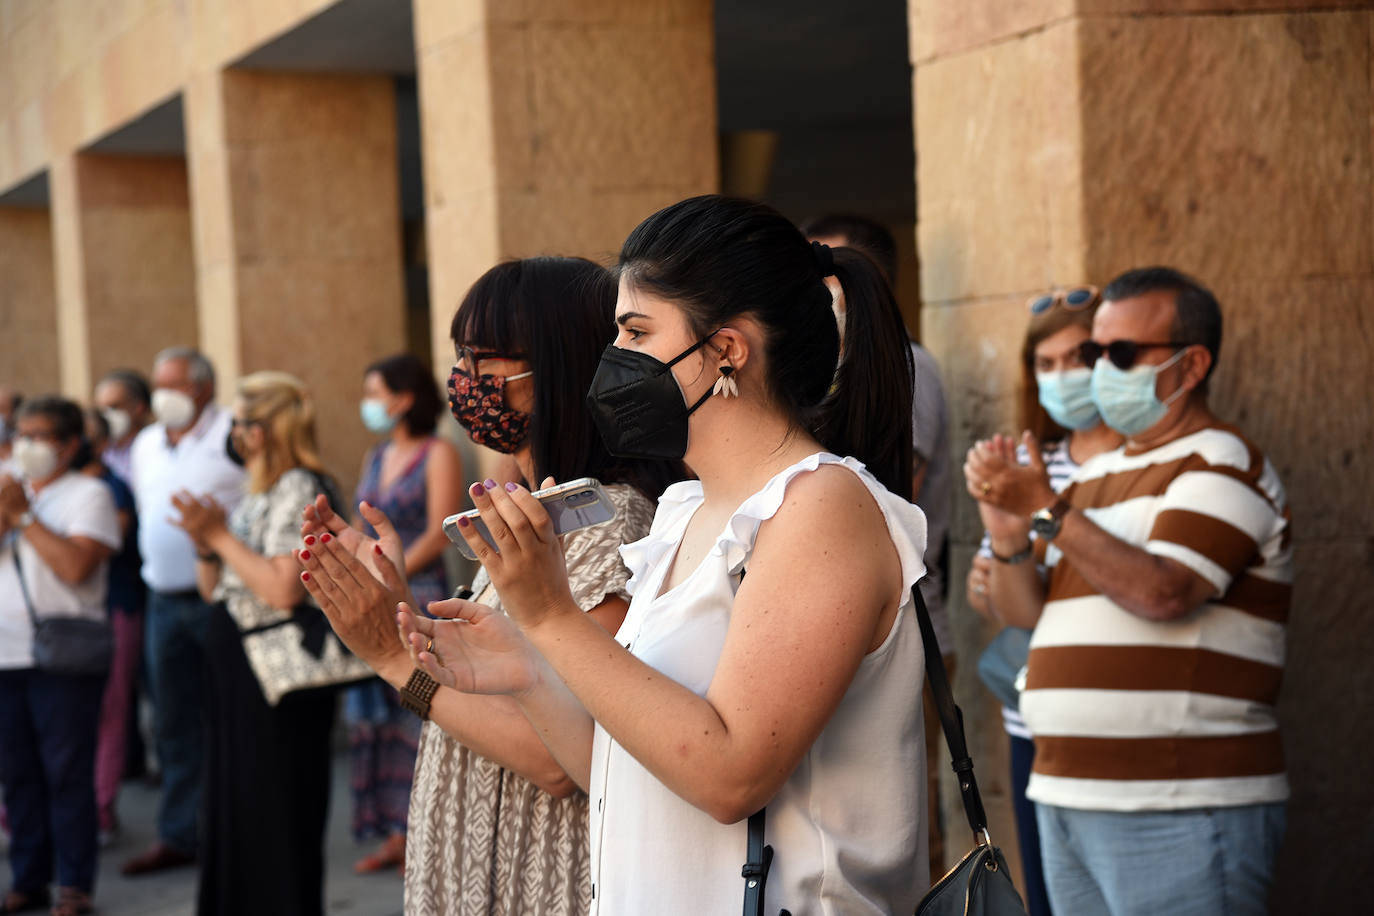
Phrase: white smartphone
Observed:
(577, 504)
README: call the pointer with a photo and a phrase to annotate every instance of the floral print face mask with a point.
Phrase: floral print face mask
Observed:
(478, 403)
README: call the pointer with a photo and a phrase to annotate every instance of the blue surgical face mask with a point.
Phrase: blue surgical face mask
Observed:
(1068, 397)
(375, 417)
(1126, 397)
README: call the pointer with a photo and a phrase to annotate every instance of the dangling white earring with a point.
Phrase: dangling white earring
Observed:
(725, 385)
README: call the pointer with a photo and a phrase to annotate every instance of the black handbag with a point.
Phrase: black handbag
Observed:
(980, 885)
(66, 645)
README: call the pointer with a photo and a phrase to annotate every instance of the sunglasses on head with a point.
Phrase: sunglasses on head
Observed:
(1080, 297)
(1122, 353)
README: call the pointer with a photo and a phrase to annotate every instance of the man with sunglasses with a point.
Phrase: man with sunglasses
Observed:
(1159, 640)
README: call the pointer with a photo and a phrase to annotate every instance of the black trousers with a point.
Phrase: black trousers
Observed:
(266, 790)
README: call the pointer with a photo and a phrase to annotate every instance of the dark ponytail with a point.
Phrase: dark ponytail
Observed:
(719, 257)
(869, 408)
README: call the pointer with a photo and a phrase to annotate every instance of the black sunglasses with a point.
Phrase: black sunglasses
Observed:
(1122, 353)
(1072, 299)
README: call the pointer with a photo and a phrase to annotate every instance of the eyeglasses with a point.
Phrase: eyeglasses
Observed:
(1122, 353)
(1080, 297)
(469, 357)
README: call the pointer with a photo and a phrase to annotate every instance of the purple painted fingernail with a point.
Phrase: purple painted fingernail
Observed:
(512, 487)
(476, 489)
(490, 484)
(463, 522)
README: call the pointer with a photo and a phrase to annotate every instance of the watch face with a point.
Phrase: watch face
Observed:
(1044, 525)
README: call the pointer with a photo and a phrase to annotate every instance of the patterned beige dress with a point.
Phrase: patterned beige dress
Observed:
(483, 840)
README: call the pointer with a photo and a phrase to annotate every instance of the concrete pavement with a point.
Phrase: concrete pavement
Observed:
(173, 893)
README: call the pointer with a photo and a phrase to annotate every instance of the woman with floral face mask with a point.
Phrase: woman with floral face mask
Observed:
(1058, 408)
(496, 824)
(58, 529)
(415, 477)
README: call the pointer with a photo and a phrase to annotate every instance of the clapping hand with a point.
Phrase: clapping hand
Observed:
(14, 502)
(202, 518)
(320, 518)
(475, 649)
(359, 599)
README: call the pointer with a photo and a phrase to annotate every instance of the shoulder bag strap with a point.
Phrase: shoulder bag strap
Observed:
(756, 865)
(951, 719)
(19, 570)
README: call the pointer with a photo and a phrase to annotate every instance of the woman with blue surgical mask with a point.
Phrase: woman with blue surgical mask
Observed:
(1058, 408)
(415, 477)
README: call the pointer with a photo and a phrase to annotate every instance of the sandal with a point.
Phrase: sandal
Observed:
(20, 902)
(71, 902)
(392, 854)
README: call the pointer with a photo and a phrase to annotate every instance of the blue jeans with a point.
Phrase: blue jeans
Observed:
(1194, 862)
(1027, 831)
(174, 638)
(48, 725)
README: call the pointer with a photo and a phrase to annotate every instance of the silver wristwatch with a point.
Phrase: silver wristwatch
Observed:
(1047, 522)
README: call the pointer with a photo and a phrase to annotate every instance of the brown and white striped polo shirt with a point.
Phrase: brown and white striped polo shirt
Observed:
(1130, 714)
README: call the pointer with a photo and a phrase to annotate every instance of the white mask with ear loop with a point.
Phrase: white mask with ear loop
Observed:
(35, 459)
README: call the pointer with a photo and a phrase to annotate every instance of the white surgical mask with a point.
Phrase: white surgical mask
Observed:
(35, 459)
(174, 409)
(120, 422)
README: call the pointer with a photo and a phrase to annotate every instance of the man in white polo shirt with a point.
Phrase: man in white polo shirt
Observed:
(184, 450)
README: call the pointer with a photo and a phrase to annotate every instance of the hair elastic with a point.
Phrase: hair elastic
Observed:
(825, 259)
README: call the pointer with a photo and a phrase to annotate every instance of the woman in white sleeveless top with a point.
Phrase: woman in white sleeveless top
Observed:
(770, 655)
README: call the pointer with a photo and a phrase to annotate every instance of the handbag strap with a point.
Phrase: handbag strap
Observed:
(951, 720)
(756, 864)
(19, 571)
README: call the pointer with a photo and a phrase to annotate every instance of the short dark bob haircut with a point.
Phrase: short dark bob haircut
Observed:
(560, 313)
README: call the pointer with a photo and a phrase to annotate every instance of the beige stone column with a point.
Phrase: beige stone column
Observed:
(1061, 142)
(297, 235)
(122, 247)
(554, 128)
(28, 303)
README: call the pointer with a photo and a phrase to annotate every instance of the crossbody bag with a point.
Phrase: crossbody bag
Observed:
(65, 645)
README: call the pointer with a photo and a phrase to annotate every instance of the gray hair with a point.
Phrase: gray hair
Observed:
(198, 367)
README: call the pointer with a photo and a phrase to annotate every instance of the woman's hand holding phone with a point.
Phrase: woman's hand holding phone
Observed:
(528, 571)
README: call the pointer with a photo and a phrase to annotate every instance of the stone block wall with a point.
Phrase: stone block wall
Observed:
(1062, 142)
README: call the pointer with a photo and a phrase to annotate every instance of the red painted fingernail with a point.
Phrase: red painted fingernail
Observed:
(310, 539)
(305, 577)
(325, 539)
(490, 484)
(377, 548)
(463, 523)
(512, 487)
(305, 554)
(476, 489)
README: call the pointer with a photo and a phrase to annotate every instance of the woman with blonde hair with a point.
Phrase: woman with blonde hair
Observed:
(267, 770)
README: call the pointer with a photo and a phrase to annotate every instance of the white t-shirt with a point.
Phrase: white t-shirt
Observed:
(848, 828)
(73, 505)
(199, 464)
